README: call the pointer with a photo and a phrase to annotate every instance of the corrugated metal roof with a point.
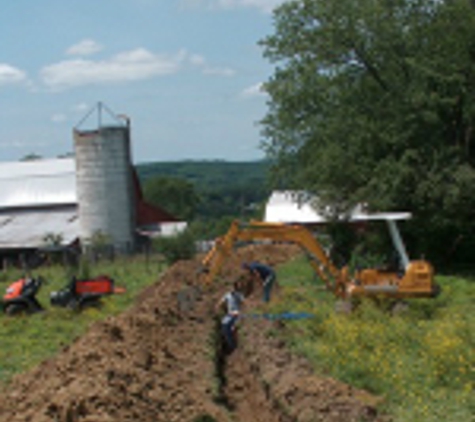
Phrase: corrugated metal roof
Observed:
(296, 207)
(38, 183)
(27, 229)
(291, 207)
(40, 197)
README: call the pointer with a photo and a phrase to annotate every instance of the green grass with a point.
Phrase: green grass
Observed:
(422, 361)
(27, 340)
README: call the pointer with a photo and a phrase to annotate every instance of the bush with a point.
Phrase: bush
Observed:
(181, 246)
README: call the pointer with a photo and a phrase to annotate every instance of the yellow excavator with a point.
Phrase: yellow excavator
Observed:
(414, 280)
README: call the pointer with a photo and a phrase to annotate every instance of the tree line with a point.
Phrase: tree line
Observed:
(207, 194)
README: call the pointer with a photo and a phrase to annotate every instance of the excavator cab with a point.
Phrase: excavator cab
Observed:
(400, 277)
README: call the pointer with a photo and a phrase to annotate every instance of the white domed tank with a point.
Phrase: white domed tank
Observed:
(105, 193)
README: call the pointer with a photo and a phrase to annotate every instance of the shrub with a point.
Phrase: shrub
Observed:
(181, 246)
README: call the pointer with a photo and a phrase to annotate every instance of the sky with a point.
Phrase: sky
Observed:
(186, 72)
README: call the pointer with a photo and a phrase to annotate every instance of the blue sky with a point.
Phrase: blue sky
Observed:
(186, 72)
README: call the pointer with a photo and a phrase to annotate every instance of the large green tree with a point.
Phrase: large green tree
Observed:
(175, 195)
(374, 101)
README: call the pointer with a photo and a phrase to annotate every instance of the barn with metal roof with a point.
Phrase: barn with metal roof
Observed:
(72, 202)
(38, 199)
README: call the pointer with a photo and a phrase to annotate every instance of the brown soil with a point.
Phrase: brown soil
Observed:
(159, 361)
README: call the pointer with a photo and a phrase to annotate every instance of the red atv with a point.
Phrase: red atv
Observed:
(20, 296)
(80, 294)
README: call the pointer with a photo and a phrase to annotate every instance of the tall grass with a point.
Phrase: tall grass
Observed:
(27, 340)
(422, 361)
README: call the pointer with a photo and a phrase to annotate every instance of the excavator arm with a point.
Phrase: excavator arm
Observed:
(416, 281)
(334, 279)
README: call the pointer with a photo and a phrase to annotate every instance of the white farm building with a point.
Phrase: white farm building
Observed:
(37, 198)
(39, 203)
(66, 202)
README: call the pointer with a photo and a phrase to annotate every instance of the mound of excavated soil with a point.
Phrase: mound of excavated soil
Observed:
(158, 362)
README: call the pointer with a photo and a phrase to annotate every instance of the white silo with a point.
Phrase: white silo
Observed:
(106, 203)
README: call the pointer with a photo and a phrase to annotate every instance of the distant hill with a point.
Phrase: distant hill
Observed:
(225, 188)
(209, 175)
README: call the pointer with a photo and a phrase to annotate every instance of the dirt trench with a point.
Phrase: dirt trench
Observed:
(158, 361)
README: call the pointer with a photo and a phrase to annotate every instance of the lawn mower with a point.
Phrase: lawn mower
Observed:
(79, 294)
(20, 296)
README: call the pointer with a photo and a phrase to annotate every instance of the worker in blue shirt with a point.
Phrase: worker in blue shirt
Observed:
(264, 274)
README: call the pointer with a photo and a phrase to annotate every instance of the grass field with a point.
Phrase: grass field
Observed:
(27, 340)
(421, 361)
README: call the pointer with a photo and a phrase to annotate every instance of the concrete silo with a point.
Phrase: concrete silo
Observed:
(106, 203)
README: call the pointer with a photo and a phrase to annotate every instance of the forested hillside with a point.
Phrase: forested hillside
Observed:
(221, 188)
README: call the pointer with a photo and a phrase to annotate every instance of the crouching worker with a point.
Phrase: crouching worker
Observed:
(232, 302)
(264, 274)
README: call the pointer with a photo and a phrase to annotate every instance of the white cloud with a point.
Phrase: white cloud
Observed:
(58, 118)
(253, 91)
(200, 62)
(219, 71)
(197, 60)
(11, 75)
(80, 107)
(84, 48)
(265, 6)
(131, 65)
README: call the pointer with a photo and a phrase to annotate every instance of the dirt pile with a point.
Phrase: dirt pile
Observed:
(150, 363)
(290, 384)
(158, 362)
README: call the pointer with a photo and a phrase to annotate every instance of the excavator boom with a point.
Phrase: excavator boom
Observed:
(417, 281)
(279, 233)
